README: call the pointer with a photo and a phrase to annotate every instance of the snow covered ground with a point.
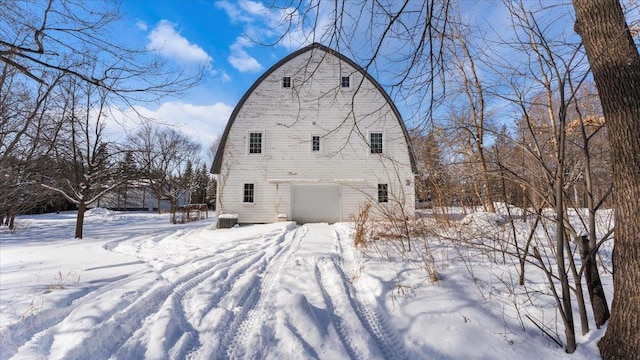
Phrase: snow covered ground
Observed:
(139, 287)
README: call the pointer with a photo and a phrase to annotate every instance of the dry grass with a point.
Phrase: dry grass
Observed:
(362, 225)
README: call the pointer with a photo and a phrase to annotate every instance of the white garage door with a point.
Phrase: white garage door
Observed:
(316, 203)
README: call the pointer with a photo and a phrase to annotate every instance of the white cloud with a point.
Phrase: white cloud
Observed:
(232, 11)
(243, 11)
(203, 123)
(253, 8)
(285, 25)
(141, 25)
(240, 59)
(167, 41)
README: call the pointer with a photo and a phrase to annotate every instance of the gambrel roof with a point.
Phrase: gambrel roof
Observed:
(217, 162)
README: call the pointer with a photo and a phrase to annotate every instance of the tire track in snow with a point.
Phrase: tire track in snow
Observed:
(362, 302)
(238, 344)
(39, 333)
(157, 324)
(221, 283)
(337, 318)
(241, 292)
(114, 329)
(375, 321)
(113, 325)
(371, 314)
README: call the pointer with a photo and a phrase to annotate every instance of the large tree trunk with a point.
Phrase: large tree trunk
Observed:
(615, 64)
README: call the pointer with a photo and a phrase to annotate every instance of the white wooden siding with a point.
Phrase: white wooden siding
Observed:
(316, 104)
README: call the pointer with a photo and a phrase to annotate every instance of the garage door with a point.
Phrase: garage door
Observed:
(316, 203)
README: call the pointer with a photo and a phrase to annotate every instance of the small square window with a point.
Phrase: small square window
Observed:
(315, 143)
(376, 143)
(383, 193)
(248, 193)
(286, 82)
(255, 143)
(345, 82)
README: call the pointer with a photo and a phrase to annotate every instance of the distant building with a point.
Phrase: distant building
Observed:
(312, 140)
(138, 197)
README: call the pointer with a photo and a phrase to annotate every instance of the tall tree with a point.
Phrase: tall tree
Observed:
(200, 186)
(432, 184)
(78, 39)
(43, 42)
(615, 64)
(471, 120)
(164, 154)
(86, 162)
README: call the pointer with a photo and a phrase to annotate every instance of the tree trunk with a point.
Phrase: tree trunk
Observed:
(588, 244)
(594, 285)
(615, 64)
(566, 307)
(577, 280)
(82, 207)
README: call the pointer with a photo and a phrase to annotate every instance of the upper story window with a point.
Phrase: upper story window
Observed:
(249, 190)
(286, 82)
(315, 143)
(255, 143)
(383, 193)
(376, 142)
(345, 82)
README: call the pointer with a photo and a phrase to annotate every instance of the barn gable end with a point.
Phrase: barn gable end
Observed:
(313, 139)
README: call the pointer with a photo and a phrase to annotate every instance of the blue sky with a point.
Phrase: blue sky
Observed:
(217, 34)
(205, 33)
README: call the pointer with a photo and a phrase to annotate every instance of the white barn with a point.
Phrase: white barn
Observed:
(312, 140)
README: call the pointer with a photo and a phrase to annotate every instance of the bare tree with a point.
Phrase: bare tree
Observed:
(379, 34)
(164, 154)
(86, 162)
(470, 117)
(615, 64)
(432, 183)
(49, 38)
(24, 122)
(43, 42)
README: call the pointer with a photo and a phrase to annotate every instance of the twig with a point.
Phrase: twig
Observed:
(544, 331)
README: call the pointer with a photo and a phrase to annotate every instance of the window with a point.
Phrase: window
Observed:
(248, 193)
(286, 82)
(255, 143)
(376, 143)
(345, 82)
(315, 143)
(383, 193)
